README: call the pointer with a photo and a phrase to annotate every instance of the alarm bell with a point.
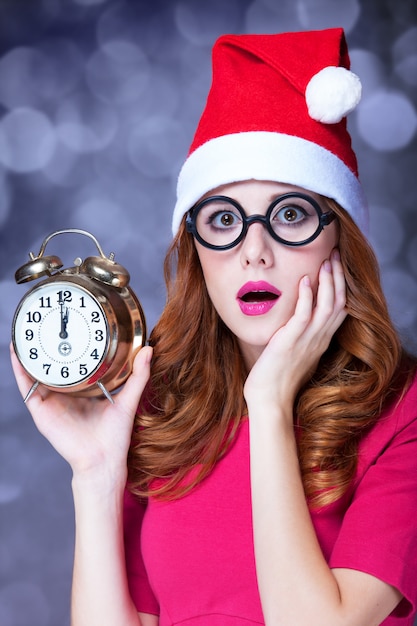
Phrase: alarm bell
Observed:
(37, 267)
(105, 270)
(102, 268)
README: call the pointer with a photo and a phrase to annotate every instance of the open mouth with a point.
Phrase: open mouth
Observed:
(259, 296)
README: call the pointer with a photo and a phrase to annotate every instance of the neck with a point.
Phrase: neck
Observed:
(250, 354)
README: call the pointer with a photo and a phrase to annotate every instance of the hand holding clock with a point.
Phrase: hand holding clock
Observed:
(89, 433)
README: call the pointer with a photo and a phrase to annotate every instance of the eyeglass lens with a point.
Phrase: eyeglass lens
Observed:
(220, 222)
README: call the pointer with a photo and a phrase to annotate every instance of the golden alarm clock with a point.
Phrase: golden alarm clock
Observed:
(78, 330)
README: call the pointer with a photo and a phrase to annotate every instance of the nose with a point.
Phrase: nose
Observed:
(256, 248)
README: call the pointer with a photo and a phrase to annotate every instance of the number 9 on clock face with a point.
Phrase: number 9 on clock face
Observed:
(61, 334)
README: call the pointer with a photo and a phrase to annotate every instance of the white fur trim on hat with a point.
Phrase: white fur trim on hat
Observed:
(332, 93)
(262, 155)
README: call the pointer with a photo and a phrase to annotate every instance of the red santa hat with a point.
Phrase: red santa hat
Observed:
(277, 111)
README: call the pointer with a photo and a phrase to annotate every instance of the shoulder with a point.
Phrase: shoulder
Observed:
(395, 427)
(401, 411)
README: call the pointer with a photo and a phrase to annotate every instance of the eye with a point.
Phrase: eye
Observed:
(288, 215)
(224, 219)
(218, 216)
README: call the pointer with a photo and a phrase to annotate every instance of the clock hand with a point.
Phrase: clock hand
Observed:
(64, 321)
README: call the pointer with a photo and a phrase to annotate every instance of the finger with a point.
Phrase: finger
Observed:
(331, 295)
(325, 291)
(339, 279)
(297, 324)
(33, 393)
(128, 398)
(304, 305)
(287, 336)
(24, 382)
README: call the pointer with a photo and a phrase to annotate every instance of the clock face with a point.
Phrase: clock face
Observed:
(60, 333)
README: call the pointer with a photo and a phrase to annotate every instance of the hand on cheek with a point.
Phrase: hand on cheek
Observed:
(294, 351)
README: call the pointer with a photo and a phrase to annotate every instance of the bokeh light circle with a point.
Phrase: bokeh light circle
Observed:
(6, 194)
(327, 13)
(203, 26)
(155, 145)
(27, 140)
(118, 72)
(401, 291)
(387, 120)
(405, 56)
(387, 232)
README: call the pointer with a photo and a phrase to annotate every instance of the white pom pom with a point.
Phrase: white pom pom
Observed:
(332, 93)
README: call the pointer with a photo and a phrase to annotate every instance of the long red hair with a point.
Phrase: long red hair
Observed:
(194, 400)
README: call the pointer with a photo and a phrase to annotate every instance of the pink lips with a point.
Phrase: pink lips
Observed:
(257, 298)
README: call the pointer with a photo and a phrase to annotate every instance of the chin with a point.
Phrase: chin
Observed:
(257, 344)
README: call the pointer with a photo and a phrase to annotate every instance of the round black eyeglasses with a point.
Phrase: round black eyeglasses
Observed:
(293, 219)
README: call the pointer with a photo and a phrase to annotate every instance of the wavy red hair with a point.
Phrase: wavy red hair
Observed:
(194, 401)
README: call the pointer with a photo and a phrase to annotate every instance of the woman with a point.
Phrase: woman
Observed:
(272, 472)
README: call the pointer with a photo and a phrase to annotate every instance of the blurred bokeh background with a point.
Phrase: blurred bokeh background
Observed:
(99, 100)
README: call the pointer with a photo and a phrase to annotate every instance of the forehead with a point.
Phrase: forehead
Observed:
(257, 192)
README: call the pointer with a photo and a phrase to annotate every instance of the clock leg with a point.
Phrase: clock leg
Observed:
(105, 392)
(31, 390)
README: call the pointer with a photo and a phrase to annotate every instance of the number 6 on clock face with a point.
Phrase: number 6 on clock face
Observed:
(61, 334)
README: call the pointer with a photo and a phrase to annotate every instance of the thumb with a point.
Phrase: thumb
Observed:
(128, 398)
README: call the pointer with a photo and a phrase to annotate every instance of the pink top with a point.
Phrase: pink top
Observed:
(198, 563)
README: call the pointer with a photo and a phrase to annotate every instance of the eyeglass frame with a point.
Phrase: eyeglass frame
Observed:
(324, 220)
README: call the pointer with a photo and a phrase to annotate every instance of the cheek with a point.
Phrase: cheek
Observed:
(310, 262)
(213, 270)
(214, 264)
(314, 278)
(209, 268)
(318, 256)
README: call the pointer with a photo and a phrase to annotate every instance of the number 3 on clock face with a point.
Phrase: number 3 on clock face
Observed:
(61, 334)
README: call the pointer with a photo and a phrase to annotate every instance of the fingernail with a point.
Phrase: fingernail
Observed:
(336, 254)
(327, 266)
(306, 281)
(149, 354)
